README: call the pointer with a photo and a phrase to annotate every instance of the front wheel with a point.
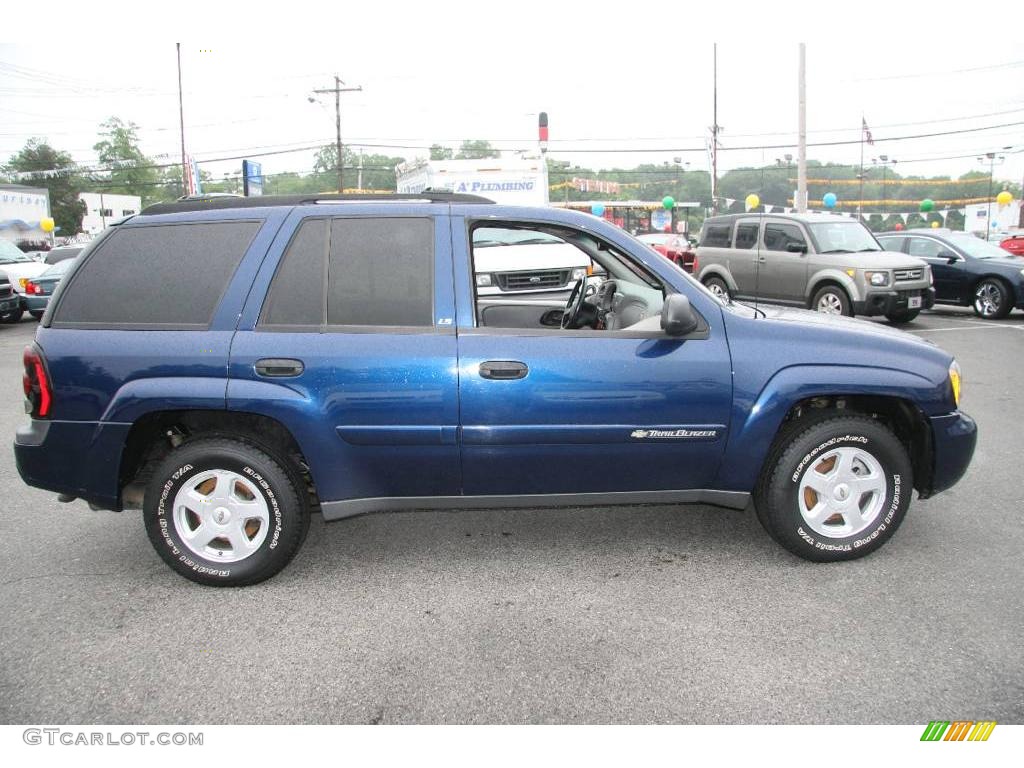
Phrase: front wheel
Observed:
(991, 299)
(832, 300)
(836, 490)
(224, 513)
(902, 316)
(12, 317)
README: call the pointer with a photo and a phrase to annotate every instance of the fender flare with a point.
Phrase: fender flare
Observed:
(717, 270)
(757, 421)
(831, 275)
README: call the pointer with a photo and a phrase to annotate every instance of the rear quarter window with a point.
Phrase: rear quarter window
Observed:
(716, 236)
(160, 275)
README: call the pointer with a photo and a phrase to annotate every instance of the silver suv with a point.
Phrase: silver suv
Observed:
(824, 262)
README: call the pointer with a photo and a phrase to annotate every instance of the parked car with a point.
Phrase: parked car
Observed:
(675, 248)
(38, 290)
(1014, 244)
(516, 261)
(62, 252)
(968, 271)
(267, 358)
(831, 264)
(19, 267)
(10, 302)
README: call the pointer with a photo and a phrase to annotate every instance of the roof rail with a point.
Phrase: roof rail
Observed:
(218, 203)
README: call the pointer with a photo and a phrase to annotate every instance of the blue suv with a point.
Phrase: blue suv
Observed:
(232, 366)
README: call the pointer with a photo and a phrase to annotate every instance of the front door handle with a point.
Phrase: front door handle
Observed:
(279, 367)
(503, 370)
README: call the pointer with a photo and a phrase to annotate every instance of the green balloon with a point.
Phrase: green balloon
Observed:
(927, 205)
(669, 202)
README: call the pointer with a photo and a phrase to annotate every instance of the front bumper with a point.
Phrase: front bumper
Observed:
(10, 303)
(891, 302)
(953, 437)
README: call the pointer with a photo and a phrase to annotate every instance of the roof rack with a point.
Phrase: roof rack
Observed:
(217, 203)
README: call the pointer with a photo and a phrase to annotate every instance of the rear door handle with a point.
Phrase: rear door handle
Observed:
(503, 370)
(279, 367)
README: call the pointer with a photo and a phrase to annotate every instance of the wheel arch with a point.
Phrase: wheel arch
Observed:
(157, 433)
(716, 270)
(831, 277)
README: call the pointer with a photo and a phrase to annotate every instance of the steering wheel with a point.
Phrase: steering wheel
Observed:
(570, 318)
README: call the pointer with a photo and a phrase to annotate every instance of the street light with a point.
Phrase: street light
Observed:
(991, 157)
(884, 161)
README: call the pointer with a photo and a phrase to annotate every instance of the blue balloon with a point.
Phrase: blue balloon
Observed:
(829, 200)
(597, 209)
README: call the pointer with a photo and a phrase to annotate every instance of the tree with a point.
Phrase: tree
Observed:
(127, 170)
(476, 149)
(378, 171)
(438, 152)
(66, 208)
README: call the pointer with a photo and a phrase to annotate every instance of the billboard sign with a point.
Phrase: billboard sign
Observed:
(252, 178)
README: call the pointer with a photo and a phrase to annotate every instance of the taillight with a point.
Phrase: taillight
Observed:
(36, 383)
(693, 269)
(32, 288)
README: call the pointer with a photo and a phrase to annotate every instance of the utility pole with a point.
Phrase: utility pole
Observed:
(181, 117)
(714, 134)
(359, 181)
(337, 90)
(801, 168)
(991, 157)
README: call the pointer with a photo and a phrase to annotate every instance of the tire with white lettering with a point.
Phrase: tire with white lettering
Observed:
(835, 489)
(224, 513)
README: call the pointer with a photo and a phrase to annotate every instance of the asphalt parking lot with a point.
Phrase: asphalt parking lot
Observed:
(598, 615)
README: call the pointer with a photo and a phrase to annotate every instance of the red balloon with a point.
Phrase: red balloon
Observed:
(668, 227)
(899, 227)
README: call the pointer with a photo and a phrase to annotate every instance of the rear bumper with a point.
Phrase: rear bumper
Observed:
(889, 302)
(953, 437)
(79, 458)
(35, 303)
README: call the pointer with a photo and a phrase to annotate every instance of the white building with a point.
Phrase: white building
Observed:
(1005, 217)
(21, 210)
(102, 208)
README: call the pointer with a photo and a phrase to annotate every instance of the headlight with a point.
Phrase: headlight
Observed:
(877, 278)
(954, 380)
(1022, 273)
(931, 277)
(483, 280)
(579, 273)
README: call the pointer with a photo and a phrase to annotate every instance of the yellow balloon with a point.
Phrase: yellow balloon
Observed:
(753, 201)
(935, 225)
(46, 224)
(1004, 198)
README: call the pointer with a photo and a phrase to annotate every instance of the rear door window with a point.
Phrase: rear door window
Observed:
(717, 236)
(746, 236)
(924, 248)
(160, 275)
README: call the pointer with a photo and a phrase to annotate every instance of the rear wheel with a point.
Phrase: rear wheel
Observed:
(835, 490)
(224, 513)
(902, 316)
(36, 313)
(718, 287)
(991, 299)
(832, 300)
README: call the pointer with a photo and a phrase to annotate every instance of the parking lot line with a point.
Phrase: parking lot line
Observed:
(979, 327)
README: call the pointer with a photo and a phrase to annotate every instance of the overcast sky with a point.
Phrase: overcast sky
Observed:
(618, 76)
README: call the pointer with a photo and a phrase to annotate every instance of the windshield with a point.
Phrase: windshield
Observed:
(486, 237)
(10, 253)
(975, 247)
(842, 237)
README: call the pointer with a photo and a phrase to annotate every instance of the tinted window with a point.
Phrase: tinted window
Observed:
(777, 237)
(924, 248)
(58, 255)
(171, 275)
(746, 235)
(296, 295)
(381, 272)
(717, 236)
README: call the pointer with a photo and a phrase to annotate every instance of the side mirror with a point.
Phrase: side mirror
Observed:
(949, 256)
(796, 247)
(677, 316)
